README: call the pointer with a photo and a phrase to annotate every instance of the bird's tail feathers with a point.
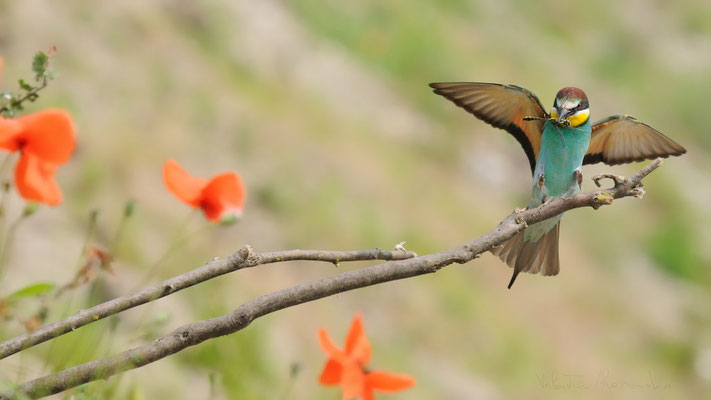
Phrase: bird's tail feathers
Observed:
(536, 257)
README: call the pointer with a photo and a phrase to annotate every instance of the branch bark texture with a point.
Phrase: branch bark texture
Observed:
(244, 258)
(197, 332)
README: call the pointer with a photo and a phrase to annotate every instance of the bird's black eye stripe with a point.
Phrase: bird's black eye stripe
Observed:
(582, 105)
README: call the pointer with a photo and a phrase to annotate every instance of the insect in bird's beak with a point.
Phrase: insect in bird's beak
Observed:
(562, 121)
(558, 121)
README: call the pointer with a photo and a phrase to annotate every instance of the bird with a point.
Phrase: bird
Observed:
(557, 145)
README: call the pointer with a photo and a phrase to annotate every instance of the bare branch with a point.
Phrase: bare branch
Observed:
(197, 332)
(244, 258)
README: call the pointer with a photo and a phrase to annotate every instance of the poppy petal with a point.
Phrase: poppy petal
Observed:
(184, 186)
(357, 344)
(368, 393)
(331, 374)
(34, 179)
(386, 382)
(9, 130)
(223, 194)
(49, 134)
(352, 381)
(329, 347)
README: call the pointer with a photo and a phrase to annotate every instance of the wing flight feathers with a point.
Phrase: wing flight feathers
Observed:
(502, 106)
(622, 139)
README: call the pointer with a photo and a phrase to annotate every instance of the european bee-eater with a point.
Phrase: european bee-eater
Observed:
(557, 145)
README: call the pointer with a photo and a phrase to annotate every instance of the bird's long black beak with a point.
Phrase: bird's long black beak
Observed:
(563, 113)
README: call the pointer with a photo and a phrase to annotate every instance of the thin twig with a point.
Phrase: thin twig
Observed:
(198, 332)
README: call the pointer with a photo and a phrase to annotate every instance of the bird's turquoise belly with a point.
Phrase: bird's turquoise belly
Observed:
(562, 152)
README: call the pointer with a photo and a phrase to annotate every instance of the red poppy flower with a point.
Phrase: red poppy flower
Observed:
(222, 195)
(45, 141)
(347, 367)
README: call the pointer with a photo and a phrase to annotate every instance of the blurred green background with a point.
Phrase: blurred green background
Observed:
(323, 108)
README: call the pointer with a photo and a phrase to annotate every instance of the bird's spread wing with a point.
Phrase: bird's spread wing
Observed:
(621, 139)
(502, 106)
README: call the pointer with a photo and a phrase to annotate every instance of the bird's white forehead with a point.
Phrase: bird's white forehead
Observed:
(567, 104)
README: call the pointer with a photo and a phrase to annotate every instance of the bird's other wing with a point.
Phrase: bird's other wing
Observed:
(502, 106)
(622, 139)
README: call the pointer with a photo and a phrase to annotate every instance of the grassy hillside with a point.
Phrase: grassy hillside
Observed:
(323, 107)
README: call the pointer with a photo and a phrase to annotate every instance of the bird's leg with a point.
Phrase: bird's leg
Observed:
(578, 175)
(544, 191)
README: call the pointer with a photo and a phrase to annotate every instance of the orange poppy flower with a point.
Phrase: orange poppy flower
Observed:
(222, 195)
(45, 141)
(347, 367)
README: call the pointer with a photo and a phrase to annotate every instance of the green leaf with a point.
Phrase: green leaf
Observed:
(31, 291)
(39, 64)
(129, 208)
(228, 220)
(30, 208)
(94, 216)
(24, 85)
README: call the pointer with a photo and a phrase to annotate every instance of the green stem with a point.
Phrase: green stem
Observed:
(5, 163)
(178, 239)
(29, 94)
(3, 200)
(118, 235)
(293, 374)
(3, 233)
(5, 246)
(93, 221)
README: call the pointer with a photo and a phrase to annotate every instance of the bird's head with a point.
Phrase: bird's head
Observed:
(570, 107)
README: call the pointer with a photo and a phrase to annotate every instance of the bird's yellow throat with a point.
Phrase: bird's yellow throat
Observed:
(576, 119)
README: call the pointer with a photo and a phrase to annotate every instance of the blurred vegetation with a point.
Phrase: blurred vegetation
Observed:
(323, 107)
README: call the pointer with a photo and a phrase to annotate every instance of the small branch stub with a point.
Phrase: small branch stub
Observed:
(619, 180)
